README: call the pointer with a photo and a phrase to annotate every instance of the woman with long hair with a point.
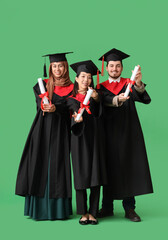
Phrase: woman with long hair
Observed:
(44, 175)
(87, 145)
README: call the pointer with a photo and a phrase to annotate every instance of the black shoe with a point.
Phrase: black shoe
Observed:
(105, 213)
(131, 214)
(83, 222)
(93, 222)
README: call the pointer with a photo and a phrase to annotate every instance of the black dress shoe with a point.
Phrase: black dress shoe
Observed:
(105, 213)
(83, 222)
(131, 214)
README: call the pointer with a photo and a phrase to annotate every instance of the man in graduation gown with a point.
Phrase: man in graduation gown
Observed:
(127, 163)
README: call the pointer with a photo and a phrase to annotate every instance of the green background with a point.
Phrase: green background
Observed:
(30, 29)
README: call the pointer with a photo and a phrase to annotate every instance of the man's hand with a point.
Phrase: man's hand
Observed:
(138, 77)
(121, 98)
(49, 108)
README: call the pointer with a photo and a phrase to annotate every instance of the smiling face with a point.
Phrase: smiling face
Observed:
(114, 69)
(84, 80)
(57, 69)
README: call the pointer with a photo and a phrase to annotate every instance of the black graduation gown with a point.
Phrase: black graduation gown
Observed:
(128, 169)
(88, 159)
(49, 137)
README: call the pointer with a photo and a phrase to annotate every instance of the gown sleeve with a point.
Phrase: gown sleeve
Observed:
(38, 99)
(105, 96)
(108, 98)
(142, 97)
(96, 107)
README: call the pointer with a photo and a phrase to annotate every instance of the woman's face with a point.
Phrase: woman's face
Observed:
(58, 69)
(84, 80)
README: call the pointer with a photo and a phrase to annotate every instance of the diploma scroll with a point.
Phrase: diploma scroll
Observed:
(42, 90)
(85, 102)
(131, 79)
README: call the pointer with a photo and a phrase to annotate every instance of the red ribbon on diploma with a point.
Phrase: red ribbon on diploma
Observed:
(131, 82)
(42, 96)
(84, 106)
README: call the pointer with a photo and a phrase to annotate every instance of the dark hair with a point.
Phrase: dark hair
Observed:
(118, 60)
(76, 86)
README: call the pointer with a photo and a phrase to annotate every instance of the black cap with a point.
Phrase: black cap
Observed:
(114, 55)
(57, 57)
(85, 66)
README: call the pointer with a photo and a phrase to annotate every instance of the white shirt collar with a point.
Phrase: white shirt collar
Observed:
(114, 80)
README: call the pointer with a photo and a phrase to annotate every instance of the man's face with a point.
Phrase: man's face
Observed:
(114, 69)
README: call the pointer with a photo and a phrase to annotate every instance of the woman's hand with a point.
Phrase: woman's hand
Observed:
(138, 77)
(121, 98)
(75, 115)
(49, 108)
(94, 94)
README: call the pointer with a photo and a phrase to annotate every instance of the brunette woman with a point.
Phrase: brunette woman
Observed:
(44, 176)
(87, 150)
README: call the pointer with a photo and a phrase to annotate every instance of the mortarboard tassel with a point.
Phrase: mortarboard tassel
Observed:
(98, 85)
(102, 71)
(44, 69)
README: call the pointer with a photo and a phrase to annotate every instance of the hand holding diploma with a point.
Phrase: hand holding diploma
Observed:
(46, 105)
(48, 108)
(122, 98)
(75, 115)
(135, 74)
(94, 94)
(138, 77)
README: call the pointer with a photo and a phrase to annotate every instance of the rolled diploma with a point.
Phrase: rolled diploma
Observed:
(42, 90)
(132, 79)
(86, 100)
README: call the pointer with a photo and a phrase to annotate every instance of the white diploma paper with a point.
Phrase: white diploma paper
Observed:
(42, 90)
(86, 100)
(132, 79)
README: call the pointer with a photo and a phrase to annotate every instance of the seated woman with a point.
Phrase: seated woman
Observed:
(44, 176)
(87, 149)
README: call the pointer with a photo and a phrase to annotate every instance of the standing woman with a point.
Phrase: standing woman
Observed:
(44, 175)
(87, 150)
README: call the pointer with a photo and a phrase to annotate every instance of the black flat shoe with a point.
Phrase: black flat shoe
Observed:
(93, 222)
(83, 222)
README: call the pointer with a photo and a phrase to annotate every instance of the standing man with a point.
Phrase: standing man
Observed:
(128, 169)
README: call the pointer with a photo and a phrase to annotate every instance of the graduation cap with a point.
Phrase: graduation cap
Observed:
(57, 57)
(113, 55)
(88, 67)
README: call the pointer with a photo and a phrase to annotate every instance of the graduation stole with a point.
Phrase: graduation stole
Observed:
(61, 90)
(115, 87)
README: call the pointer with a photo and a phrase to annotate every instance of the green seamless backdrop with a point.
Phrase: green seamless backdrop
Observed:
(89, 28)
